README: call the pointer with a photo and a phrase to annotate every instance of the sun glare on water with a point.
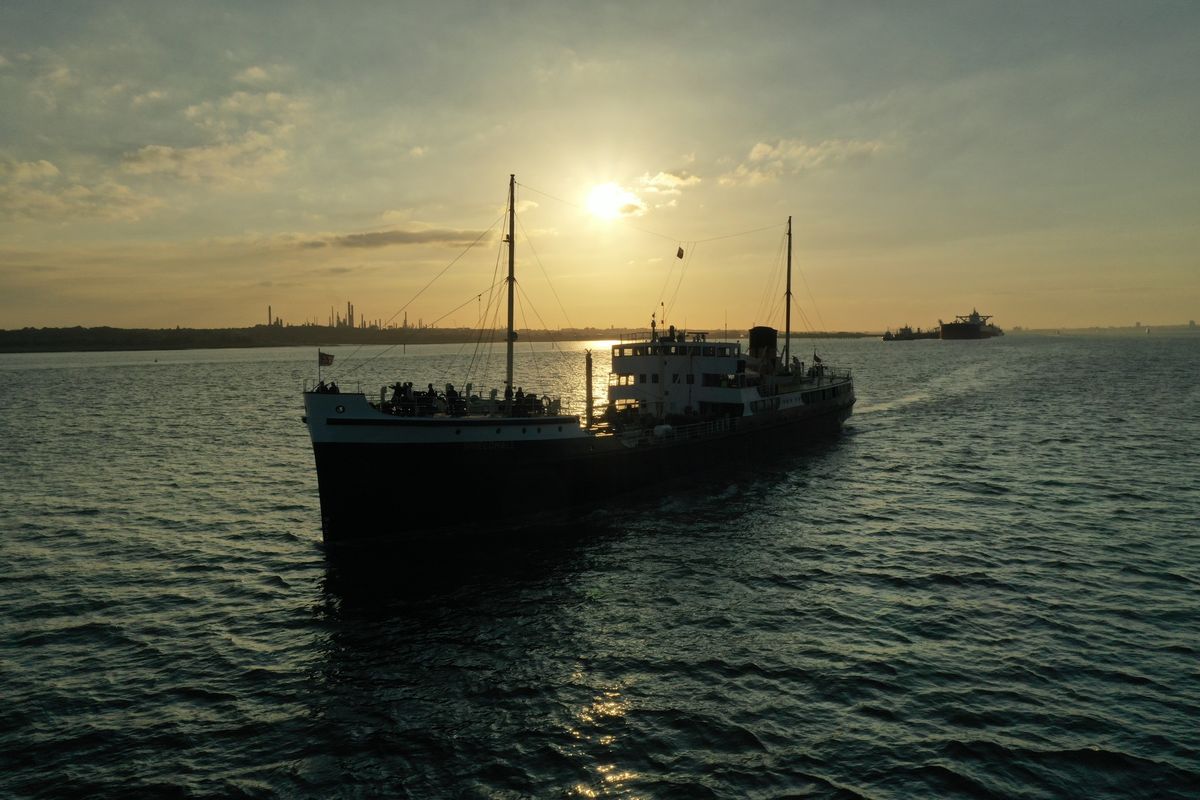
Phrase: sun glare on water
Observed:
(609, 201)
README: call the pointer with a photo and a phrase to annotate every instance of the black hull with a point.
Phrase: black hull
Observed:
(389, 492)
(956, 331)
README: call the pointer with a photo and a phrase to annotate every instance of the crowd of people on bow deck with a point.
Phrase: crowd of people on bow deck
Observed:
(405, 401)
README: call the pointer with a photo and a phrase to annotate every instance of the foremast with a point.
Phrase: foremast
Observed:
(787, 317)
(512, 334)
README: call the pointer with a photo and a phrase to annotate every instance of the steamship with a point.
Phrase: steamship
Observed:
(678, 402)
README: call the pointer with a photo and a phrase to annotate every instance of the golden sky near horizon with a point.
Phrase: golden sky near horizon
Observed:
(193, 164)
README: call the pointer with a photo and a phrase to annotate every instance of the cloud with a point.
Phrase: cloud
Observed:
(242, 162)
(257, 75)
(668, 182)
(29, 171)
(106, 199)
(152, 96)
(247, 131)
(38, 190)
(768, 162)
(418, 151)
(252, 75)
(235, 112)
(389, 238)
(47, 87)
(567, 65)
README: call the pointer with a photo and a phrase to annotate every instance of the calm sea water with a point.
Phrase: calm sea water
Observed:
(988, 587)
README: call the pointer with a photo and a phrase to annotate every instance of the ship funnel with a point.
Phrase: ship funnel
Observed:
(763, 342)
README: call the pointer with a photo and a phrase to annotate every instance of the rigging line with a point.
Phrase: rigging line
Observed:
(538, 259)
(456, 308)
(448, 266)
(662, 295)
(804, 317)
(483, 352)
(732, 235)
(691, 250)
(689, 253)
(522, 298)
(367, 362)
(770, 297)
(455, 260)
(481, 357)
(480, 318)
(492, 296)
(810, 297)
(552, 197)
(533, 308)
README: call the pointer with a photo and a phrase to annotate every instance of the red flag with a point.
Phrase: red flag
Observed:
(325, 359)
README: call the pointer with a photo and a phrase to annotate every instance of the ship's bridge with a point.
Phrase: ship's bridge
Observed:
(678, 372)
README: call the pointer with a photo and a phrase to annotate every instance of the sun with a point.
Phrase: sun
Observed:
(609, 201)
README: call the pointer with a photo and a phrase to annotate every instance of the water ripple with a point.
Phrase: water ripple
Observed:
(980, 590)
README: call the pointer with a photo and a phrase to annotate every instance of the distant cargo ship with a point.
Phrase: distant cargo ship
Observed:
(907, 334)
(971, 326)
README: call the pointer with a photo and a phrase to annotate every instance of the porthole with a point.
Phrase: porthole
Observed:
(340, 409)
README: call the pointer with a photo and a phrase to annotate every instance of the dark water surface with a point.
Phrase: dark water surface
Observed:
(988, 587)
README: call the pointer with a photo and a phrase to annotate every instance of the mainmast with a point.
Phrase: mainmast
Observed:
(512, 334)
(787, 332)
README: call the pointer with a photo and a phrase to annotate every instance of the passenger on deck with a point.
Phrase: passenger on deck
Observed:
(454, 404)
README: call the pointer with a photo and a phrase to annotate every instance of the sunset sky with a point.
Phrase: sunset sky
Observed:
(168, 164)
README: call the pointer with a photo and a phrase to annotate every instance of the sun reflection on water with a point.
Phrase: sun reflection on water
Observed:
(595, 719)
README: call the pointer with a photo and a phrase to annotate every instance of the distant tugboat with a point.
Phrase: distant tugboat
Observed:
(907, 334)
(971, 326)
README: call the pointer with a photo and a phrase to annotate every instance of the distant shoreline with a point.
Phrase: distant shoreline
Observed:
(106, 339)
